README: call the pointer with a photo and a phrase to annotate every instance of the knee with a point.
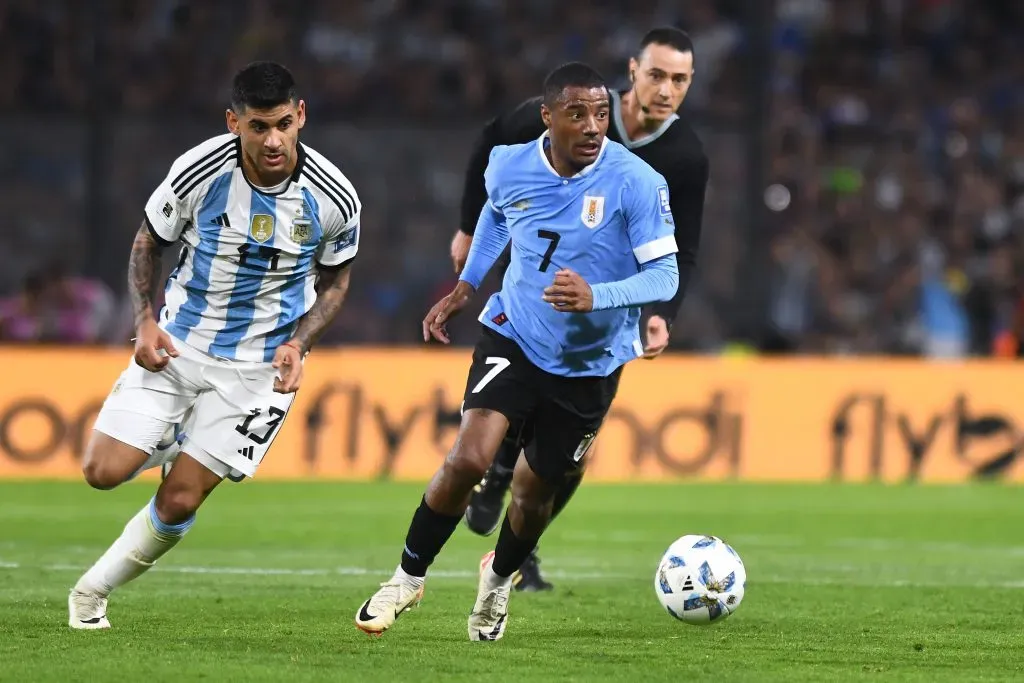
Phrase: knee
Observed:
(108, 463)
(100, 475)
(177, 504)
(533, 507)
(468, 462)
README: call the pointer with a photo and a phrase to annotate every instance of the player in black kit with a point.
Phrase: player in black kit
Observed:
(644, 119)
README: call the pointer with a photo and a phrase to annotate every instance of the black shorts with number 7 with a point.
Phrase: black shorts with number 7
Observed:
(558, 416)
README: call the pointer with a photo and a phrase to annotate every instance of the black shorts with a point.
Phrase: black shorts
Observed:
(558, 416)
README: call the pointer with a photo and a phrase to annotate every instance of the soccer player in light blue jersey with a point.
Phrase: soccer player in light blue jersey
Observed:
(268, 229)
(592, 240)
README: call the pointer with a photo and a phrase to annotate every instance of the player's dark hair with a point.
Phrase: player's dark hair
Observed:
(674, 38)
(571, 75)
(262, 85)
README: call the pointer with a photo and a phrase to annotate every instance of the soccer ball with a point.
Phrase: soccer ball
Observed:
(700, 579)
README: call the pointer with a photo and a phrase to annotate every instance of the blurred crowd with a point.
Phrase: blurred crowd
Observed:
(894, 151)
(425, 61)
(896, 191)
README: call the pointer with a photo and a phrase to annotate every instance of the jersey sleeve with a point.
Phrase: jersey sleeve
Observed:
(341, 236)
(166, 212)
(492, 177)
(491, 234)
(172, 203)
(649, 220)
(688, 183)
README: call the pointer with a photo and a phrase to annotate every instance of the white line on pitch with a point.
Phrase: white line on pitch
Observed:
(794, 580)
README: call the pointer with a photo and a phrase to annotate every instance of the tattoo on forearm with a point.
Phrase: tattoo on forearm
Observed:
(143, 269)
(331, 290)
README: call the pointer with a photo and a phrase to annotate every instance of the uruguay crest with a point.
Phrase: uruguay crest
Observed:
(593, 211)
(261, 227)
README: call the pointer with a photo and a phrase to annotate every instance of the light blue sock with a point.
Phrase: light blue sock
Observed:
(164, 528)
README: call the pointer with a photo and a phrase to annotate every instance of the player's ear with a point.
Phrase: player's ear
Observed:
(545, 115)
(302, 113)
(232, 120)
(633, 66)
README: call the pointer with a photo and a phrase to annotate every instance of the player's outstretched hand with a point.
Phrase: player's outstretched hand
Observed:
(288, 363)
(461, 243)
(444, 310)
(657, 337)
(569, 293)
(153, 347)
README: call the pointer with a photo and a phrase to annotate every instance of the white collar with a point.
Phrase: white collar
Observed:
(620, 125)
(586, 169)
(276, 189)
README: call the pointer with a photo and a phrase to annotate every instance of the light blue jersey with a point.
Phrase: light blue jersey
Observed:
(608, 223)
(247, 270)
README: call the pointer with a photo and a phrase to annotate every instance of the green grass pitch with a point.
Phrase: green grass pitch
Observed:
(896, 583)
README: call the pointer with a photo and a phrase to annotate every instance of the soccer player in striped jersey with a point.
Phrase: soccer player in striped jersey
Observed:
(268, 228)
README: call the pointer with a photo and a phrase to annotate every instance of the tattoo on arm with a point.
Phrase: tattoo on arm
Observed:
(331, 288)
(143, 270)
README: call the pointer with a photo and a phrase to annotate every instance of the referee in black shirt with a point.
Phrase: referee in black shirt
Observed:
(644, 119)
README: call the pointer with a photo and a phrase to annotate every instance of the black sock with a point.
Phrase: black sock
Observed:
(428, 533)
(510, 551)
(507, 455)
(562, 496)
(564, 493)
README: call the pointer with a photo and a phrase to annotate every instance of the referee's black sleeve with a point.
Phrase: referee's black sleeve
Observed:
(521, 124)
(686, 189)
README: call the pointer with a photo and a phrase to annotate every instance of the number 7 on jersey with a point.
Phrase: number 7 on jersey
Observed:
(553, 237)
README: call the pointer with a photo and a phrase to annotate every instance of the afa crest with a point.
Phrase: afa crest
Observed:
(261, 227)
(593, 211)
(302, 228)
(302, 232)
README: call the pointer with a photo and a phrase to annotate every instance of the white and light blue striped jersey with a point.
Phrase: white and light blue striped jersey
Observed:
(247, 269)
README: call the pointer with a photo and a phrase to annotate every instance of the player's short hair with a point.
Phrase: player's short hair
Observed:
(262, 85)
(671, 36)
(571, 75)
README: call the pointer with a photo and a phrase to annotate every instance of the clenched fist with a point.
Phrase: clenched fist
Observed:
(569, 293)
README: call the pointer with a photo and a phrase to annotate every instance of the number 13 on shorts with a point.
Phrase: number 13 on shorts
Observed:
(260, 435)
(245, 438)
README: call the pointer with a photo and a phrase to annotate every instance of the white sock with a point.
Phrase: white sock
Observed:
(408, 579)
(144, 540)
(493, 580)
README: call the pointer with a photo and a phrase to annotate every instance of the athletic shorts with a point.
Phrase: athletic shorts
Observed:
(235, 413)
(559, 416)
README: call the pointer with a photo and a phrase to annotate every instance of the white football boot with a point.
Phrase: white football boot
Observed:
(490, 613)
(393, 598)
(87, 611)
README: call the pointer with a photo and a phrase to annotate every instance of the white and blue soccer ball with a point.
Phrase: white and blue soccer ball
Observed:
(700, 579)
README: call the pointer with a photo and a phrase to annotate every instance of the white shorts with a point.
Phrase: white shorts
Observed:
(235, 412)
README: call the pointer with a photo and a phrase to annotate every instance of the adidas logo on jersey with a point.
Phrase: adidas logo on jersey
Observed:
(221, 220)
(246, 452)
